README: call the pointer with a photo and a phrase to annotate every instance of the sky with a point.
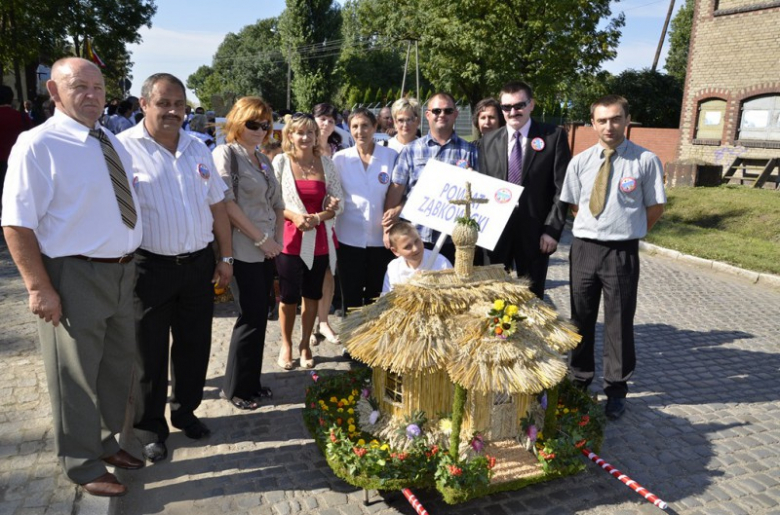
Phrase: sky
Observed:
(185, 34)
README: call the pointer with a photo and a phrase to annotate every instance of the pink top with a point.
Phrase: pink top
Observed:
(312, 194)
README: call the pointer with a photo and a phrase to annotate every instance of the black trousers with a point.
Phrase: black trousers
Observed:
(361, 273)
(611, 268)
(251, 285)
(173, 299)
(519, 250)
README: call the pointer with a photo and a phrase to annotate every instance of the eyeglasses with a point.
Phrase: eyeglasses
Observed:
(437, 111)
(253, 125)
(297, 116)
(404, 121)
(517, 107)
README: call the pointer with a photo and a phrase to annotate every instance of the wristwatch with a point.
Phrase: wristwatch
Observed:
(228, 260)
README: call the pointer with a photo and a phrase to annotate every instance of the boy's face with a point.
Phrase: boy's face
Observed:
(410, 247)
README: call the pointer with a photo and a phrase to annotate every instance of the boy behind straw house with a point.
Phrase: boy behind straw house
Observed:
(411, 256)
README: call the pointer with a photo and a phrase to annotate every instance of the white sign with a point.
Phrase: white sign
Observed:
(429, 202)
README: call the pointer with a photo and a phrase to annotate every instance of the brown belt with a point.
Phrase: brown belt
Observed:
(123, 259)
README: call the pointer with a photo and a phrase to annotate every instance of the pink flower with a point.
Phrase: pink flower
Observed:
(532, 432)
(477, 443)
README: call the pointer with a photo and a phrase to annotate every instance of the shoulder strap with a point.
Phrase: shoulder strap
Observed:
(233, 171)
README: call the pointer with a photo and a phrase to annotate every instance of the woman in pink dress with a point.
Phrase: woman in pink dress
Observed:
(311, 191)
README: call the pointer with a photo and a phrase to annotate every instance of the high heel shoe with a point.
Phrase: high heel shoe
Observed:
(284, 365)
(307, 363)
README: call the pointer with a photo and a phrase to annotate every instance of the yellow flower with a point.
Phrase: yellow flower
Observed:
(343, 401)
(498, 305)
(325, 407)
(565, 410)
(354, 392)
(445, 425)
(511, 310)
(351, 411)
(374, 443)
(539, 436)
(384, 447)
(506, 319)
(333, 399)
(340, 410)
(351, 420)
(351, 398)
(361, 442)
(351, 428)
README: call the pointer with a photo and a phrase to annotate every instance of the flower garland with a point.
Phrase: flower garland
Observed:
(503, 319)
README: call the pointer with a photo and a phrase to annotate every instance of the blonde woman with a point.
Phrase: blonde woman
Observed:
(256, 212)
(406, 117)
(311, 191)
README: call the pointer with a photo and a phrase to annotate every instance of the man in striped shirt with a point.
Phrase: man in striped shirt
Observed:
(181, 196)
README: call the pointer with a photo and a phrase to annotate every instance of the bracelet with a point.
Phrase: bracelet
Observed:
(261, 241)
(317, 216)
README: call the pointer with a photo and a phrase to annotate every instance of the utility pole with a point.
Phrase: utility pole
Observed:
(663, 35)
(289, 75)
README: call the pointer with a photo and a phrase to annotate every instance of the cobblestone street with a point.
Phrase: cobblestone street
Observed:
(702, 428)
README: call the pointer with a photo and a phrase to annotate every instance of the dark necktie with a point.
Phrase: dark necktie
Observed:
(118, 179)
(598, 195)
(516, 160)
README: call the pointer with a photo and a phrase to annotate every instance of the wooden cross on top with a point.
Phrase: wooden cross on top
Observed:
(468, 200)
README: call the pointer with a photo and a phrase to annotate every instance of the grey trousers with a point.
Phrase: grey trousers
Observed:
(89, 360)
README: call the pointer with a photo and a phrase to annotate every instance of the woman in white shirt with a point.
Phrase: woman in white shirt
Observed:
(365, 171)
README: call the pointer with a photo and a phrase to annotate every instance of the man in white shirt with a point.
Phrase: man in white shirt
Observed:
(72, 222)
(181, 196)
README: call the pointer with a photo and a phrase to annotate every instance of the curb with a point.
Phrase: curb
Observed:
(772, 281)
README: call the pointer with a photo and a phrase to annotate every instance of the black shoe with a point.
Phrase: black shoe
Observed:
(155, 451)
(615, 407)
(197, 430)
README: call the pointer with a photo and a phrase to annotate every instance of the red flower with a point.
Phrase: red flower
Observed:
(584, 420)
(322, 421)
(338, 421)
(434, 449)
(580, 444)
(491, 462)
(455, 470)
(313, 405)
(333, 438)
(402, 456)
(359, 451)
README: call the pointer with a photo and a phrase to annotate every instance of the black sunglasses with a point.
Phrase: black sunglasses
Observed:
(253, 125)
(438, 110)
(517, 107)
(297, 116)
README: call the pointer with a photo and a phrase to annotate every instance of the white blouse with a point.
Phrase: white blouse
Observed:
(364, 195)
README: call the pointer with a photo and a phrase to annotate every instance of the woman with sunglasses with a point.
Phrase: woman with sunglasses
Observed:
(406, 116)
(365, 171)
(330, 143)
(311, 191)
(256, 211)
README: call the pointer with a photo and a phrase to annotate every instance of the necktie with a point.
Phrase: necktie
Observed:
(516, 160)
(598, 196)
(118, 179)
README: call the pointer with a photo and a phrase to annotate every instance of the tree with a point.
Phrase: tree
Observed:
(679, 41)
(310, 34)
(655, 98)
(247, 63)
(544, 43)
(579, 94)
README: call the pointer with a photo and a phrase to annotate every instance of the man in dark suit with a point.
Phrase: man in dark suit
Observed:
(535, 156)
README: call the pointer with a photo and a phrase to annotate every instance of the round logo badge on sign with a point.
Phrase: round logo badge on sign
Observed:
(627, 184)
(537, 144)
(462, 163)
(203, 170)
(384, 178)
(503, 196)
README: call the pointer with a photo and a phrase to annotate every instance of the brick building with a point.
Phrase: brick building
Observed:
(731, 106)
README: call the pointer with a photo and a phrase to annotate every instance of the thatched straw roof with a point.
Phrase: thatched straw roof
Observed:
(437, 321)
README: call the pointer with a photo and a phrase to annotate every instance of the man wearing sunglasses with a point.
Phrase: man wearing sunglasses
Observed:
(181, 196)
(535, 156)
(441, 143)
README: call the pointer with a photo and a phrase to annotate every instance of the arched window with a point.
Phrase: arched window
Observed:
(712, 115)
(760, 119)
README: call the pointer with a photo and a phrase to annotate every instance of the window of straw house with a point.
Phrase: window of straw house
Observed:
(394, 387)
(502, 398)
(760, 119)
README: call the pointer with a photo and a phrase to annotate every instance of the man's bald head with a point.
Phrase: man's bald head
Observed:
(78, 88)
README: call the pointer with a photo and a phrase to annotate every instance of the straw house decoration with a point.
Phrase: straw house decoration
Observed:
(429, 337)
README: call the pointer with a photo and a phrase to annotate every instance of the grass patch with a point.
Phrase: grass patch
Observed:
(733, 224)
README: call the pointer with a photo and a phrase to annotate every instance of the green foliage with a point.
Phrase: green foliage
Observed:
(464, 475)
(367, 96)
(655, 99)
(310, 30)
(458, 408)
(458, 50)
(580, 94)
(467, 221)
(247, 63)
(679, 41)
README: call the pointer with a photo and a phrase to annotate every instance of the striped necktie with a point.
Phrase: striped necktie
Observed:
(515, 175)
(118, 179)
(598, 195)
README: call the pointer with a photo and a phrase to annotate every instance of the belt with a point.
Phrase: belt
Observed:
(178, 259)
(123, 259)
